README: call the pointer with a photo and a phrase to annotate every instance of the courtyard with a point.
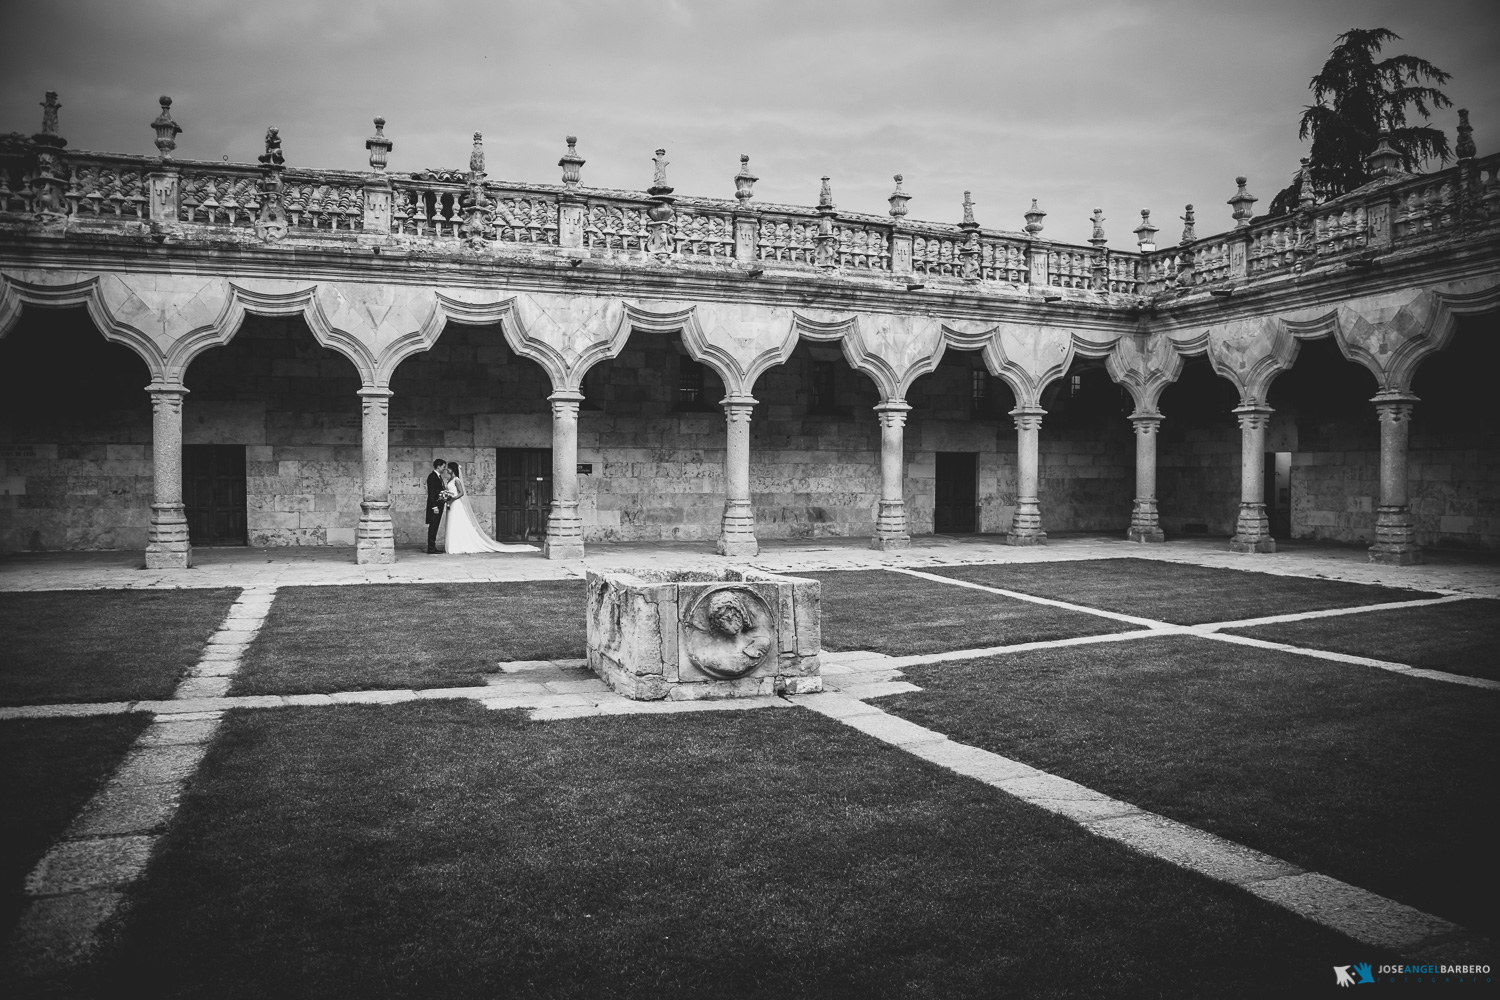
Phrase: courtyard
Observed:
(1094, 768)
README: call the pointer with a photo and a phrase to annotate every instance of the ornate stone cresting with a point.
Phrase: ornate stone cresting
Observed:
(571, 163)
(271, 224)
(478, 207)
(167, 545)
(377, 216)
(744, 181)
(1395, 531)
(1034, 217)
(891, 529)
(968, 250)
(49, 182)
(375, 536)
(826, 252)
(1241, 204)
(737, 529)
(564, 522)
(1384, 160)
(379, 146)
(1145, 233)
(660, 227)
(1252, 529)
(898, 200)
(1144, 523)
(1026, 523)
(1464, 147)
(167, 130)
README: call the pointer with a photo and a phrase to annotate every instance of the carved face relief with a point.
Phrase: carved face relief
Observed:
(728, 631)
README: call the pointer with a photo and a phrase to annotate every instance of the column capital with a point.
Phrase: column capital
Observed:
(893, 413)
(167, 389)
(892, 406)
(1393, 399)
(377, 391)
(1028, 418)
(566, 396)
(1253, 416)
(738, 403)
(1147, 418)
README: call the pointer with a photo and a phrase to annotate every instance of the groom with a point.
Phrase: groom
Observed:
(434, 504)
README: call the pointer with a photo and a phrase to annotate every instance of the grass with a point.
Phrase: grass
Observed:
(898, 614)
(48, 769)
(117, 645)
(1380, 780)
(444, 850)
(322, 639)
(1175, 592)
(1461, 638)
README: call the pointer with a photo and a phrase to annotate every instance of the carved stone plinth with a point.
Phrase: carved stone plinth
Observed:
(375, 536)
(167, 545)
(683, 635)
(1395, 538)
(564, 532)
(891, 530)
(1144, 524)
(1252, 530)
(1026, 524)
(737, 530)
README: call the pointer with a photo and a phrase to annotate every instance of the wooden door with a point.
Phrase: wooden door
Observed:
(213, 491)
(523, 493)
(953, 508)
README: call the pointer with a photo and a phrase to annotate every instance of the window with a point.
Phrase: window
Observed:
(689, 384)
(979, 381)
(1075, 385)
(824, 398)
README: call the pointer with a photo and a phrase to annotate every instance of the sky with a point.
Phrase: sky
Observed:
(1120, 105)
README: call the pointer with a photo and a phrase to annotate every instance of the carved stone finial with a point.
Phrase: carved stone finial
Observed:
(659, 183)
(968, 222)
(1464, 147)
(1034, 219)
(744, 181)
(272, 157)
(1383, 161)
(379, 146)
(898, 200)
(167, 130)
(476, 155)
(50, 107)
(571, 163)
(1097, 238)
(825, 195)
(1145, 233)
(1306, 196)
(1189, 234)
(1241, 203)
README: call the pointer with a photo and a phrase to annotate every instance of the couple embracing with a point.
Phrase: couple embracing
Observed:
(450, 516)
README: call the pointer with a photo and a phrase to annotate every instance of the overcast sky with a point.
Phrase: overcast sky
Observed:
(1121, 105)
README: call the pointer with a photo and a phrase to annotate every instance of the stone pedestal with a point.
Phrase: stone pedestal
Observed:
(564, 523)
(684, 635)
(1395, 531)
(167, 544)
(891, 531)
(1026, 524)
(1252, 529)
(1144, 525)
(375, 536)
(737, 530)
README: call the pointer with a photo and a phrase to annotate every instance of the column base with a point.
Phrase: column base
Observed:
(167, 545)
(1397, 557)
(1026, 524)
(564, 532)
(737, 531)
(1395, 538)
(1037, 537)
(887, 543)
(1144, 526)
(1252, 531)
(375, 536)
(1135, 534)
(890, 526)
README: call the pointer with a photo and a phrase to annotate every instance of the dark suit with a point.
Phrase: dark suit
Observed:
(434, 518)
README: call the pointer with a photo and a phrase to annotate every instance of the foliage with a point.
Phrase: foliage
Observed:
(1355, 99)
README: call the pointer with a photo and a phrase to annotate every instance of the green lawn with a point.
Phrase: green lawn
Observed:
(1380, 780)
(1175, 592)
(899, 614)
(103, 645)
(1461, 638)
(444, 850)
(322, 639)
(48, 769)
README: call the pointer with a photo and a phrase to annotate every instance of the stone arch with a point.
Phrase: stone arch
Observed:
(566, 336)
(1029, 357)
(1249, 353)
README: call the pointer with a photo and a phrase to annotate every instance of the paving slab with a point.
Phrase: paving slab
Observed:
(307, 700)
(202, 687)
(569, 712)
(373, 697)
(441, 694)
(590, 685)
(892, 730)
(68, 711)
(160, 764)
(60, 932)
(1189, 847)
(215, 668)
(1357, 912)
(100, 863)
(172, 732)
(878, 689)
(121, 809)
(836, 705)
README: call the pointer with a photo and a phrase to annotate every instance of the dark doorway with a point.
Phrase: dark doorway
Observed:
(523, 492)
(1278, 487)
(213, 490)
(953, 507)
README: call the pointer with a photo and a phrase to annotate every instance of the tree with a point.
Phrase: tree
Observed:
(1355, 100)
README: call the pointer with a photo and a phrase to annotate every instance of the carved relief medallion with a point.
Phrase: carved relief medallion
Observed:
(728, 631)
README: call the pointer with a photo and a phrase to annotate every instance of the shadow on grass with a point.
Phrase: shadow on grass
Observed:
(1380, 780)
(1175, 592)
(443, 850)
(322, 639)
(49, 768)
(1461, 638)
(900, 615)
(103, 645)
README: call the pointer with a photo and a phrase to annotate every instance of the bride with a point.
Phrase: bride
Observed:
(461, 532)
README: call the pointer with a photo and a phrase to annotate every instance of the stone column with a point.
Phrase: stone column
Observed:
(1026, 525)
(1144, 526)
(737, 533)
(1395, 532)
(1253, 530)
(375, 537)
(167, 545)
(564, 523)
(891, 531)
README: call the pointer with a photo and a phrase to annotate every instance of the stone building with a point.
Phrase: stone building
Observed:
(198, 353)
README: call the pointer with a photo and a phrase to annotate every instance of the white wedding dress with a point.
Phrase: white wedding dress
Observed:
(461, 532)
